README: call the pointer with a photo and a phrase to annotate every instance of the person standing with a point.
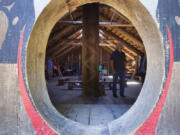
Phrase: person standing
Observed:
(118, 61)
(142, 69)
(50, 67)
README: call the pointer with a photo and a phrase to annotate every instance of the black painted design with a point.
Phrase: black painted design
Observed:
(24, 9)
(166, 13)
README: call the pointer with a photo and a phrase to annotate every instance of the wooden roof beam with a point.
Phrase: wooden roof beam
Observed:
(61, 50)
(127, 54)
(65, 52)
(58, 26)
(80, 43)
(50, 50)
(112, 48)
(80, 40)
(120, 15)
(109, 33)
(61, 34)
(129, 36)
(106, 49)
(107, 23)
(111, 42)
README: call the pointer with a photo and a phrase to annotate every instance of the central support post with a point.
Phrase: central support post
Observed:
(90, 50)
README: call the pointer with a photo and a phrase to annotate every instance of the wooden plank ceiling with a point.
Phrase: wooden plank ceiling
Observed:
(113, 27)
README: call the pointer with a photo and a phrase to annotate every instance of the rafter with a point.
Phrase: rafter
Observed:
(124, 33)
(58, 25)
(110, 42)
(61, 34)
(127, 54)
(120, 15)
(61, 50)
(80, 40)
(112, 48)
(107, 23)
(106, 49)
(111, 34)
(53, 48)
(66, 51)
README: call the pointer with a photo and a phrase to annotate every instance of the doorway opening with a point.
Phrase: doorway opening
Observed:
(64, 65)
(35, 69)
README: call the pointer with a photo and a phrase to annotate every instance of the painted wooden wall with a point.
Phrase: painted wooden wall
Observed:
(19, 114)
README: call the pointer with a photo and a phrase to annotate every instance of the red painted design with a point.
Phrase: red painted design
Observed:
(40, 126)
(150, 125)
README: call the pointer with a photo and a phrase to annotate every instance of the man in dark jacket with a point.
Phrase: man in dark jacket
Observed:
(118, 59)
(142, 69)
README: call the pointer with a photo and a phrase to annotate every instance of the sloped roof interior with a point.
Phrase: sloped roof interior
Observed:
(113, 27)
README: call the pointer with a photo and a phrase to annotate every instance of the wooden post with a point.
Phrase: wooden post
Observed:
(90, 50)
(101, 60)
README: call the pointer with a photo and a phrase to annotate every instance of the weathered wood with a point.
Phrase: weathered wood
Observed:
(106, 49)
(130, 51)
(119, 14)
(57, 34)
(108, 32)
(114, 24)
(3, 27)
(59, 26)
(169, 119)
(90, 50)
(66, 51)
(111, 24)
(124, 33)
(13, 117)
(80, 40)
(70, 34)
(113, 45)
(61, 49)
(60, 34)
(51, 50)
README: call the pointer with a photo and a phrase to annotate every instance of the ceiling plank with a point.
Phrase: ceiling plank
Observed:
(59, 26)
(110, 24)
(61, 34)
(126, 34)
(109, 33)
(52, 49)
(119, 14)
(110, 42)
(106, 49)
(80, 40)
(61, 50)
(65, 52)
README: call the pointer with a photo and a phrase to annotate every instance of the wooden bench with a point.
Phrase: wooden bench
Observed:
(71, 83)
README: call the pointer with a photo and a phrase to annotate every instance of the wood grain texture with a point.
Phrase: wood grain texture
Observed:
(13, 117)
(90, 50)
(169, 122)
(3, 27)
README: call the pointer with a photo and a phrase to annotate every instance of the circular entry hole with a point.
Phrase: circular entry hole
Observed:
(152, 87)
(64, 66)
